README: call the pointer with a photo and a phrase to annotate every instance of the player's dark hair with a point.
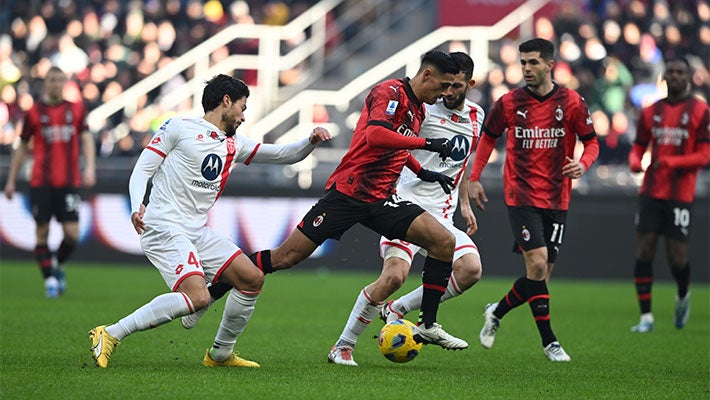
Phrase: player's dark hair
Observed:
(220, 85)
(465, 63)
(441, 61)
(545, 47)
(682, 60)
(55, 69)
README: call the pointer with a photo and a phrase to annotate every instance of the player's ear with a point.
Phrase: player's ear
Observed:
(426, 74)
(226, 101)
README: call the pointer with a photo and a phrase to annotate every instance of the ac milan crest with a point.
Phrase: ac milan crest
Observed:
(318, 220)
(525, 234)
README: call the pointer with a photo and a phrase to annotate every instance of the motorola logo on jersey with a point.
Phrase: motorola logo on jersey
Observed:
(461, 148)
(211, 167)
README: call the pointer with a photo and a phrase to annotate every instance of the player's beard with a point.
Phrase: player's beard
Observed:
(456, 103)
(677, 87)
(230, 126)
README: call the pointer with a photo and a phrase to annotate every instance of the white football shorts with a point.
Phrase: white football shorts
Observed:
(177, 253)
(406, 251)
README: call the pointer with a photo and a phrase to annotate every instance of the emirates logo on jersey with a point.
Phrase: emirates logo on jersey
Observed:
(404, 130)
(211, 167)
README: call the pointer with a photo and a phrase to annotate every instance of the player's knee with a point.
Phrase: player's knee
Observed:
(449, 243)
(200, 299)
(250, 280)
(254, 282)
(537, 269)
(475, 272)
(71, 238)
(645, 250)
(443, 248)
(467, 271)
(42, 232)
(394, 281)
(677, 262)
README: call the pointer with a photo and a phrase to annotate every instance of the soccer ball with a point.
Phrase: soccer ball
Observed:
(397, 343)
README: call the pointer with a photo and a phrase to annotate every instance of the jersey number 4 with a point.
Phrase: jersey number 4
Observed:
(191, 260)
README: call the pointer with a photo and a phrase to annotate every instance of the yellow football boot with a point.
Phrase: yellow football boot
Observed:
(231, 361)
(102, 345)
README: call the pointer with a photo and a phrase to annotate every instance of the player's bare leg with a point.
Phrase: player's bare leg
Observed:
(295, 249)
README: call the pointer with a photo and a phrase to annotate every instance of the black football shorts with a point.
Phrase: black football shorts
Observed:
(336, 212)
(63, 203)
(665, 217)
(537, 227)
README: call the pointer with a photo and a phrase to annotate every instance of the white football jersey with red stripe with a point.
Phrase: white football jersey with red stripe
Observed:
(463, 128)
(197, 160)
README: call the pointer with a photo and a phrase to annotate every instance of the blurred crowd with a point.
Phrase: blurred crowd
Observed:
(611, 51)
(105, 46)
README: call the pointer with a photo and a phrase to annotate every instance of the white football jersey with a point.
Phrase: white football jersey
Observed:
(463, 128)
(198, 159)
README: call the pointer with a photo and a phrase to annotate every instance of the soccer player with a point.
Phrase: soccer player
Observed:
(459, 120)
(676, 127)
(57, 129)
(362, 189)
(190, 159)
(543, 122)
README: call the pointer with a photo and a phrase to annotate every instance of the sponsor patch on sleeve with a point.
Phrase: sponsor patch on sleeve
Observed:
(391, 107)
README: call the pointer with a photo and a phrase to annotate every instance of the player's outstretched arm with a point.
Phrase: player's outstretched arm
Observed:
(319, 135)
(290, 153)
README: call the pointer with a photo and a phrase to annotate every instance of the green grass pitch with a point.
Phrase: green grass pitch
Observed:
(44, 347)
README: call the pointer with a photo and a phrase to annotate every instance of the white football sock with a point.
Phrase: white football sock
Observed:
(237, 312)
(360, 317)
(413, 300)
(158, 311)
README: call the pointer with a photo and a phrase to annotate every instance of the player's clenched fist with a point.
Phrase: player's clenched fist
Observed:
(319, 135)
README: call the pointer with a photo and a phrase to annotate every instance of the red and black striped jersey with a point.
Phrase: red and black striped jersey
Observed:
(55, 131)
(370, 173)
(675, 132)
(541, 133)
